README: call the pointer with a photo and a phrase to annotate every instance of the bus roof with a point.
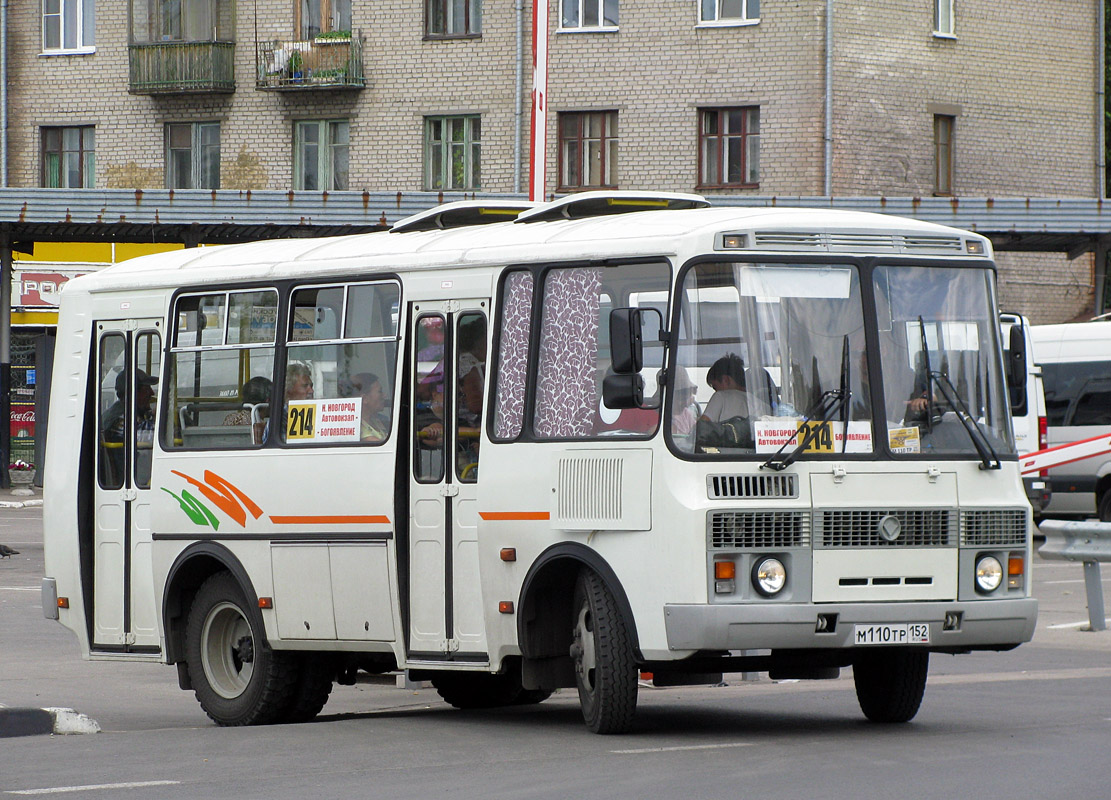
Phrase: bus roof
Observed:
(664, 231)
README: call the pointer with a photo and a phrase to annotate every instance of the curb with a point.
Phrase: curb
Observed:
(39, 721)
(20, 503)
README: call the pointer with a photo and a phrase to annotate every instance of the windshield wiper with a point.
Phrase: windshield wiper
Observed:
(824, 409)
(988, 457)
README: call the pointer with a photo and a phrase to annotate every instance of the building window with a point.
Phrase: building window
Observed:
(729, 150)
(943, 153)
(452, 152)
(320, 148)
(315, 17)
(181, 20)
(588, 150)
(67, 25)
(193, 155)
(944, 23)
(729, 11)
(452, 17)
(68, 158)
(578, 14)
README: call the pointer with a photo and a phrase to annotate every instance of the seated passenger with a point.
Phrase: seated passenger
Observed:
(727, 378)
(375, 424)
(255, 392)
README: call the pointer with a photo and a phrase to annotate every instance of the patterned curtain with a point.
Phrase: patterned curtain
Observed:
(516, 322)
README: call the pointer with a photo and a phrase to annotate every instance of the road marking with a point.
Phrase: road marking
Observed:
(20, 588)
(641, 750)
(1071, 580)
(1066, 625)
(94, 787)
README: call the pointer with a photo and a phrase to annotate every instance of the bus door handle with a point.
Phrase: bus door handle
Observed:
(449, 490)
(129, 495)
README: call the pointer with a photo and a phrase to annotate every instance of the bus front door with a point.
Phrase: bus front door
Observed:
(124, 613)
(448, 387)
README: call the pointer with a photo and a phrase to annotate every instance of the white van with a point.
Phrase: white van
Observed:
(1027, 397)
(1076, 369)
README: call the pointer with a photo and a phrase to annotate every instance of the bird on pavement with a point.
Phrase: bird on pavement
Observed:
(7, 552)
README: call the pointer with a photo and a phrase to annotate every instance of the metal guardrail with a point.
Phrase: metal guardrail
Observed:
(1089, 543)
(321, 63)
(181, 67)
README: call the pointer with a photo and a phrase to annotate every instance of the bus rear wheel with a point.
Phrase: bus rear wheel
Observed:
(236, 677)
(890, 683)
(602, 654)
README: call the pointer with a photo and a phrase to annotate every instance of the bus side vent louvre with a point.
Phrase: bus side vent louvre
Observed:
(758, 530)
(993, 528)
(590, 489)
(933, 527)
(730, 487)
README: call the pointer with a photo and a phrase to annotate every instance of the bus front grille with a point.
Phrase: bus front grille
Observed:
(994, 528)
(758, 530)
(728, 487)
(884, 528)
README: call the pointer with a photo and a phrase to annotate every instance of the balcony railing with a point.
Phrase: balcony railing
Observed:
(323, 63)
(181, 67)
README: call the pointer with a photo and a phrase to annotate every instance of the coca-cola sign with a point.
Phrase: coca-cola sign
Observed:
(23, 416)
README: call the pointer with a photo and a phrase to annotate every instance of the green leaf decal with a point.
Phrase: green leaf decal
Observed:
(195, 509)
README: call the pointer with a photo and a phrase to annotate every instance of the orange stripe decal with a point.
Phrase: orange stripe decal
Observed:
(513, 516)
(352, 519)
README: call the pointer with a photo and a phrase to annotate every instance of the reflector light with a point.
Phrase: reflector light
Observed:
(509, 554)
(63, 602)
(725, 570)
(505, 607)
(266, 602)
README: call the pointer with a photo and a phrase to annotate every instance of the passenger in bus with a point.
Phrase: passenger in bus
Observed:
(375, 424)
(727, 378)
(298, 383)
(114, 430)
(685, 410)
(255, 396)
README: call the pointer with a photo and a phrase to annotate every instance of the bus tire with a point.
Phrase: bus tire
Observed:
(473, 690)
(890, 683)
(602, 655)
(237, 678)
(314, 685)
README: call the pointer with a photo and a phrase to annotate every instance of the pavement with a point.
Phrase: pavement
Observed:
(23, 497)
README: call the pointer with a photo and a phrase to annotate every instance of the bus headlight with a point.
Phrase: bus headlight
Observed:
(989, 574)
(769, 576)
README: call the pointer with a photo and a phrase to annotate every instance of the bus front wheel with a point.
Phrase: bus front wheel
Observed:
(890, 683)
(602, 655)
(237, 678)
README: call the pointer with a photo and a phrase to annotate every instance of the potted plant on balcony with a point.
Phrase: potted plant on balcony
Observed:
(333, 37)
(296, 66)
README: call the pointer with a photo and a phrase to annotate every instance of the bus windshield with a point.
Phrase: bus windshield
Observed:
(765, 349)
(771, 359)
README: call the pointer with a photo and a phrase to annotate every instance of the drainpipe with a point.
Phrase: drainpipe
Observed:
(518, 108)
(828, 188)
(1101, 101)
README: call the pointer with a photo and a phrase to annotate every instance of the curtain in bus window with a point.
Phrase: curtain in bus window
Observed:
(516, 321)
(566, 392)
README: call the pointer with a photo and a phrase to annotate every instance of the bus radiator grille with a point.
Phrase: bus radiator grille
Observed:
(758, 530)
(994, 528)
(917, 528)
(729, 487)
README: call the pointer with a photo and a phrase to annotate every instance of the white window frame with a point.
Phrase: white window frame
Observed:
(580, 9)
(945, 19)
(72, 20)
(746, 16)
(327, 147)
(471, 151)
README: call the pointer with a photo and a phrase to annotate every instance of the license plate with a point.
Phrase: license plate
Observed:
(911, 633)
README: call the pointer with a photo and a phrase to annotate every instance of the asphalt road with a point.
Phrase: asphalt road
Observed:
(1031, 723)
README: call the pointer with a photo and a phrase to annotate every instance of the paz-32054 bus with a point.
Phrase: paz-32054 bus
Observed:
(511, 448)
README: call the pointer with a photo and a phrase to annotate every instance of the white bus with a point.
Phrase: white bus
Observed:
(263, 463)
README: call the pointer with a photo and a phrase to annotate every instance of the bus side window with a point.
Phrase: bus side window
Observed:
(112, 424)
(428, 399)
(470, 371)
(148, 347)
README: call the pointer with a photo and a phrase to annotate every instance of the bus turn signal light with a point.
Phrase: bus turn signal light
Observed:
(505, 607)
(63, 602)
(509, 554)
(725, 570)
(266, 602)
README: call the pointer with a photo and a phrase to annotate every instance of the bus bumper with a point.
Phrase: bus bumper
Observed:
(953, 625)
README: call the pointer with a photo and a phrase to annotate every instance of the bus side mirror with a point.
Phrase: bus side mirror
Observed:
(1016, 366)
(623, 391)
(626, 345)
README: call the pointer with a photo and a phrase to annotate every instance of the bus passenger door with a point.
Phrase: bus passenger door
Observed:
(448, 387)
(128, 358)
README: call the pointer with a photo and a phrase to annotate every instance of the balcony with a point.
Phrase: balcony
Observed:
(177, 67)
(327, 62)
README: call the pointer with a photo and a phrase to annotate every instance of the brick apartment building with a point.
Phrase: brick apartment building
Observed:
(969, 98)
